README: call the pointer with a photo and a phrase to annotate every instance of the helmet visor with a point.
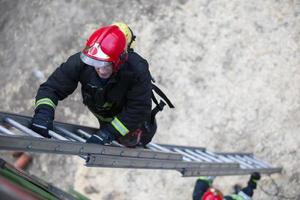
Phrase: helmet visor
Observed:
(93, 62)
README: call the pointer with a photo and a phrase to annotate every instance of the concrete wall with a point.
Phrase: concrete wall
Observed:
(230, 67)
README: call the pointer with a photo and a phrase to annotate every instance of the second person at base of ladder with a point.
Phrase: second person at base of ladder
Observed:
(204, 190)
(115, 85)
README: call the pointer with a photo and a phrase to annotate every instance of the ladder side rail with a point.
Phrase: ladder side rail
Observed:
(96, 160)
(77, 148)
(115, 144)
(226, 172)
(17, 143)
(208, 172)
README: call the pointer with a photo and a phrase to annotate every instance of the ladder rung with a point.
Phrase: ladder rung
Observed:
(212, 158)
(168, 146)
(186, 155)
(85, 134)
(158, 147)
(224, 159)
(57, 136)
(242, 163)
(6, 131)
(30, 132)
(202, 158)
(254, 165)
(70, 134)
(22, 128)
(218, 159)
(258, 162)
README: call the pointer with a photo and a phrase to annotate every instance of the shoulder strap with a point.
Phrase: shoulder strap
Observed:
(162, 95)
(159, 106)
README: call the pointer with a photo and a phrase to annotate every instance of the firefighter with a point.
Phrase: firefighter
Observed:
(204, 191)
(115, 84)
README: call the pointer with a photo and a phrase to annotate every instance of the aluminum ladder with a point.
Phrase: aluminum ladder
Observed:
(70, 139)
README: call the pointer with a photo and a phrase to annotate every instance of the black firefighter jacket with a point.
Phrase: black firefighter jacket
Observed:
(121, 105)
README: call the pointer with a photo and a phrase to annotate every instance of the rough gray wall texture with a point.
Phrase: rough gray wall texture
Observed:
(231, 68)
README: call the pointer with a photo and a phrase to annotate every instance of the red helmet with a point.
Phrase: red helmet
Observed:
(105, 46)
(212, 194)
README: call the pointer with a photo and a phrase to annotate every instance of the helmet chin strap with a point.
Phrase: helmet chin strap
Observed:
(132, 41)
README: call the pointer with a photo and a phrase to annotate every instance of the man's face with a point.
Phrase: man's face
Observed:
(104, 72)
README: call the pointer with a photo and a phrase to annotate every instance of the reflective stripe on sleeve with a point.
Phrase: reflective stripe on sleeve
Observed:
(244, 196)
(45, 101)
(238, 197)
(117, 124)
